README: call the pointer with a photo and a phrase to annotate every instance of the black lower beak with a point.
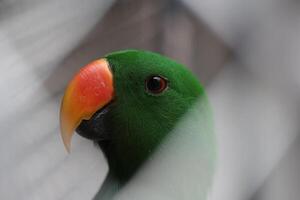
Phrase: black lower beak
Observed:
(95, 128)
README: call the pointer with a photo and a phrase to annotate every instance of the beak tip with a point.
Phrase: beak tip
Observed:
(66, 135)
(68, 149)
(67, 142)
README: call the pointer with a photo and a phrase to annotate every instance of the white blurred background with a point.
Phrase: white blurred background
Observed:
(247, 53)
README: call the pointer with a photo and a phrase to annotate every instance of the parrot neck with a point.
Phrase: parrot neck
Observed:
(109, 188)
(120, 173)
(186, 158)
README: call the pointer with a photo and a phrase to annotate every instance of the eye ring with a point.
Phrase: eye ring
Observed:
(156, 84)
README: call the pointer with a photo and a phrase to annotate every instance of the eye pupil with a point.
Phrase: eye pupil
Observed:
(156, 84)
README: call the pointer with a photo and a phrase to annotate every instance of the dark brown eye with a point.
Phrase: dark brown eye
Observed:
(156, 84)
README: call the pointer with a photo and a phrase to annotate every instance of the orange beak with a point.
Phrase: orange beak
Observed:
(90, 90)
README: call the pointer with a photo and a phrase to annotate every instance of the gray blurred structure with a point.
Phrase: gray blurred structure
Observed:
(163, 26)
(247, 53)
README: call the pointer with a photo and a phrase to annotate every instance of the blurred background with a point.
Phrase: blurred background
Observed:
(246, 53)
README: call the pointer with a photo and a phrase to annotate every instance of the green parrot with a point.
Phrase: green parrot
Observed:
(143, 108)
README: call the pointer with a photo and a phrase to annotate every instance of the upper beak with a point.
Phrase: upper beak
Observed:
(90, 90)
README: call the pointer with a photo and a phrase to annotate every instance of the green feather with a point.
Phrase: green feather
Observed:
(140, 121)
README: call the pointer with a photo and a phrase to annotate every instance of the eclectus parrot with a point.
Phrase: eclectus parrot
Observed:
(137, 106)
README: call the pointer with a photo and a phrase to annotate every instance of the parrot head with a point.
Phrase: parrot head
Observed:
(127, 102)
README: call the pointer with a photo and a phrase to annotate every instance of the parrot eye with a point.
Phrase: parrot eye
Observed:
(156, 84)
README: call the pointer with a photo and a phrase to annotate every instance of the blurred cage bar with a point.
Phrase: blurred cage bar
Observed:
(164, 26)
